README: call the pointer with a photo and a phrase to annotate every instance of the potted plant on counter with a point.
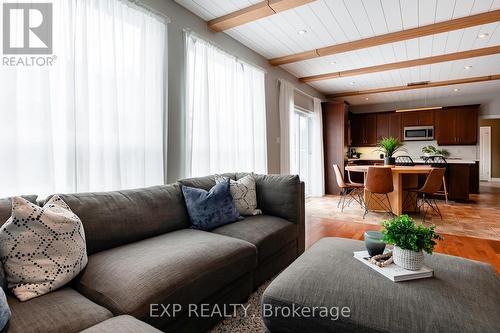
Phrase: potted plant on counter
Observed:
(389, 146)
(409, 240)
(432, 151)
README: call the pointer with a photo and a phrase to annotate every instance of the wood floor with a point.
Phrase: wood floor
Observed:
(333, 223)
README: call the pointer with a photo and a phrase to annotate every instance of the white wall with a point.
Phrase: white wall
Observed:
(491, 109)
(182, 19)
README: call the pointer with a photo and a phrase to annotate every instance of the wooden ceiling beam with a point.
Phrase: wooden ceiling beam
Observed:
(426, 30)
(405, 64)
(419, 86)
(253, 13)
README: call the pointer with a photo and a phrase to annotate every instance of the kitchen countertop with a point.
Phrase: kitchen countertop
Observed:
(420, 161)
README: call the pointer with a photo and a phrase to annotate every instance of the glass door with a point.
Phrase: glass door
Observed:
(301, 148)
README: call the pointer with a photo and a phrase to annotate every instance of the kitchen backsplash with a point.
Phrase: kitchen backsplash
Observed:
(414, 149)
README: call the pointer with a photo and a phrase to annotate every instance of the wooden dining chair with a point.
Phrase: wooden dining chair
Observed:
(425, 194)
(354, 191)
(378, 185)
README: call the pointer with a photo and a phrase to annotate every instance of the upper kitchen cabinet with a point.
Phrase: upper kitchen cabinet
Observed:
(426, 118)
(363, 129)
(388, 125)
(417, 118)
(457, 125)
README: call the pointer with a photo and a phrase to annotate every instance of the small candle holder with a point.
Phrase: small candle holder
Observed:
(374, 243)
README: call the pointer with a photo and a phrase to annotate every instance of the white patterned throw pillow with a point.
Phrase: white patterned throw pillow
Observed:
(41, 249)
(243, 193)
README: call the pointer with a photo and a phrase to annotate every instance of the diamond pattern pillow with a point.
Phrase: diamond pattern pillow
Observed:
(244, 194)
(41, 249)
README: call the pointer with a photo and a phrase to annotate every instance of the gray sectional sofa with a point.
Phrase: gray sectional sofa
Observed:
(142, 251)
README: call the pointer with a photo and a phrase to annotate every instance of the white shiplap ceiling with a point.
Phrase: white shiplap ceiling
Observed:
(329, 22)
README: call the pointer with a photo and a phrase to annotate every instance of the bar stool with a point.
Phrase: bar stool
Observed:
(355, 191)
(440, 162)
(379, 183)
(404, 161)
(350, 179)
(431, 186)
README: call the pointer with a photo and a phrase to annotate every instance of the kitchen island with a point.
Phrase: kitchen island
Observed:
(402, 177)
(462, 176)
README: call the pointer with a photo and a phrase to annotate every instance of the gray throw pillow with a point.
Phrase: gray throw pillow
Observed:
(4, 310)
(42, 249)
(243, 193)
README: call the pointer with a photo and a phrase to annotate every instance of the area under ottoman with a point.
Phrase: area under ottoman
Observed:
(464, 295)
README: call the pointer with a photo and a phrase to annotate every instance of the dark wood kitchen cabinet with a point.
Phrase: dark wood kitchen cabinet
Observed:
(457, 125)
(426, 118)
(363, 129)
(335, 142)
(388, 125)
(417, 118)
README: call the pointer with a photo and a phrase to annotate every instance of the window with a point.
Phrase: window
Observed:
(94, 120)
(226, 114)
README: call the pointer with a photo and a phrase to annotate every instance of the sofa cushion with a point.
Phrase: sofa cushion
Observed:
(62, 311)
(6, 206)
(268, 233)
(122, 324)
(279, 195)
(182, 267)
(206, 182)
(210, 209)
(115, 218)
(41, 249)
(4, 310)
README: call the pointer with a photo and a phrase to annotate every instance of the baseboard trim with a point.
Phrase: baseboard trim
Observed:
(495, 180)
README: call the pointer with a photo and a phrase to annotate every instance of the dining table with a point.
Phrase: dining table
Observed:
(403, 178)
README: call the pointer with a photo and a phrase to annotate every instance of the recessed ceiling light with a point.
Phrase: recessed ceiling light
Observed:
(468, 67)
(456, 89)
(483, 35)
(353, 83)
(301, 32)
(366, 98)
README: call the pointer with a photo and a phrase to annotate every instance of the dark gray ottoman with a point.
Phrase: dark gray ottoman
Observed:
(122, 324)
(464, 295)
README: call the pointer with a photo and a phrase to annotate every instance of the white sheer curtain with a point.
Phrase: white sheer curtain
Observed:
(286, 109)
(95, 120)
(317, 187)
(226, 113)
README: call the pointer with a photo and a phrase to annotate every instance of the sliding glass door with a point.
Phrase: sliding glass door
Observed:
(301, 147)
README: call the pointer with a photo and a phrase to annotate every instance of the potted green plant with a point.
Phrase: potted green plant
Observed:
(389, 146)
(409, 240)
(432, 151)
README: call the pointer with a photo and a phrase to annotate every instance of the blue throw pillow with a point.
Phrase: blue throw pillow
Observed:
(4, 310)
(210, 209)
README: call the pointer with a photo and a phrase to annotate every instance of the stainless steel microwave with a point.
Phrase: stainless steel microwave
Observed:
(419, 133)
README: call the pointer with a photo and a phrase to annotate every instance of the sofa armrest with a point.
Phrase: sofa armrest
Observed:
(283, 196)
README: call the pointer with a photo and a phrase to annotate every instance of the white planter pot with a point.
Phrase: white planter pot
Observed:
(408, 259)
